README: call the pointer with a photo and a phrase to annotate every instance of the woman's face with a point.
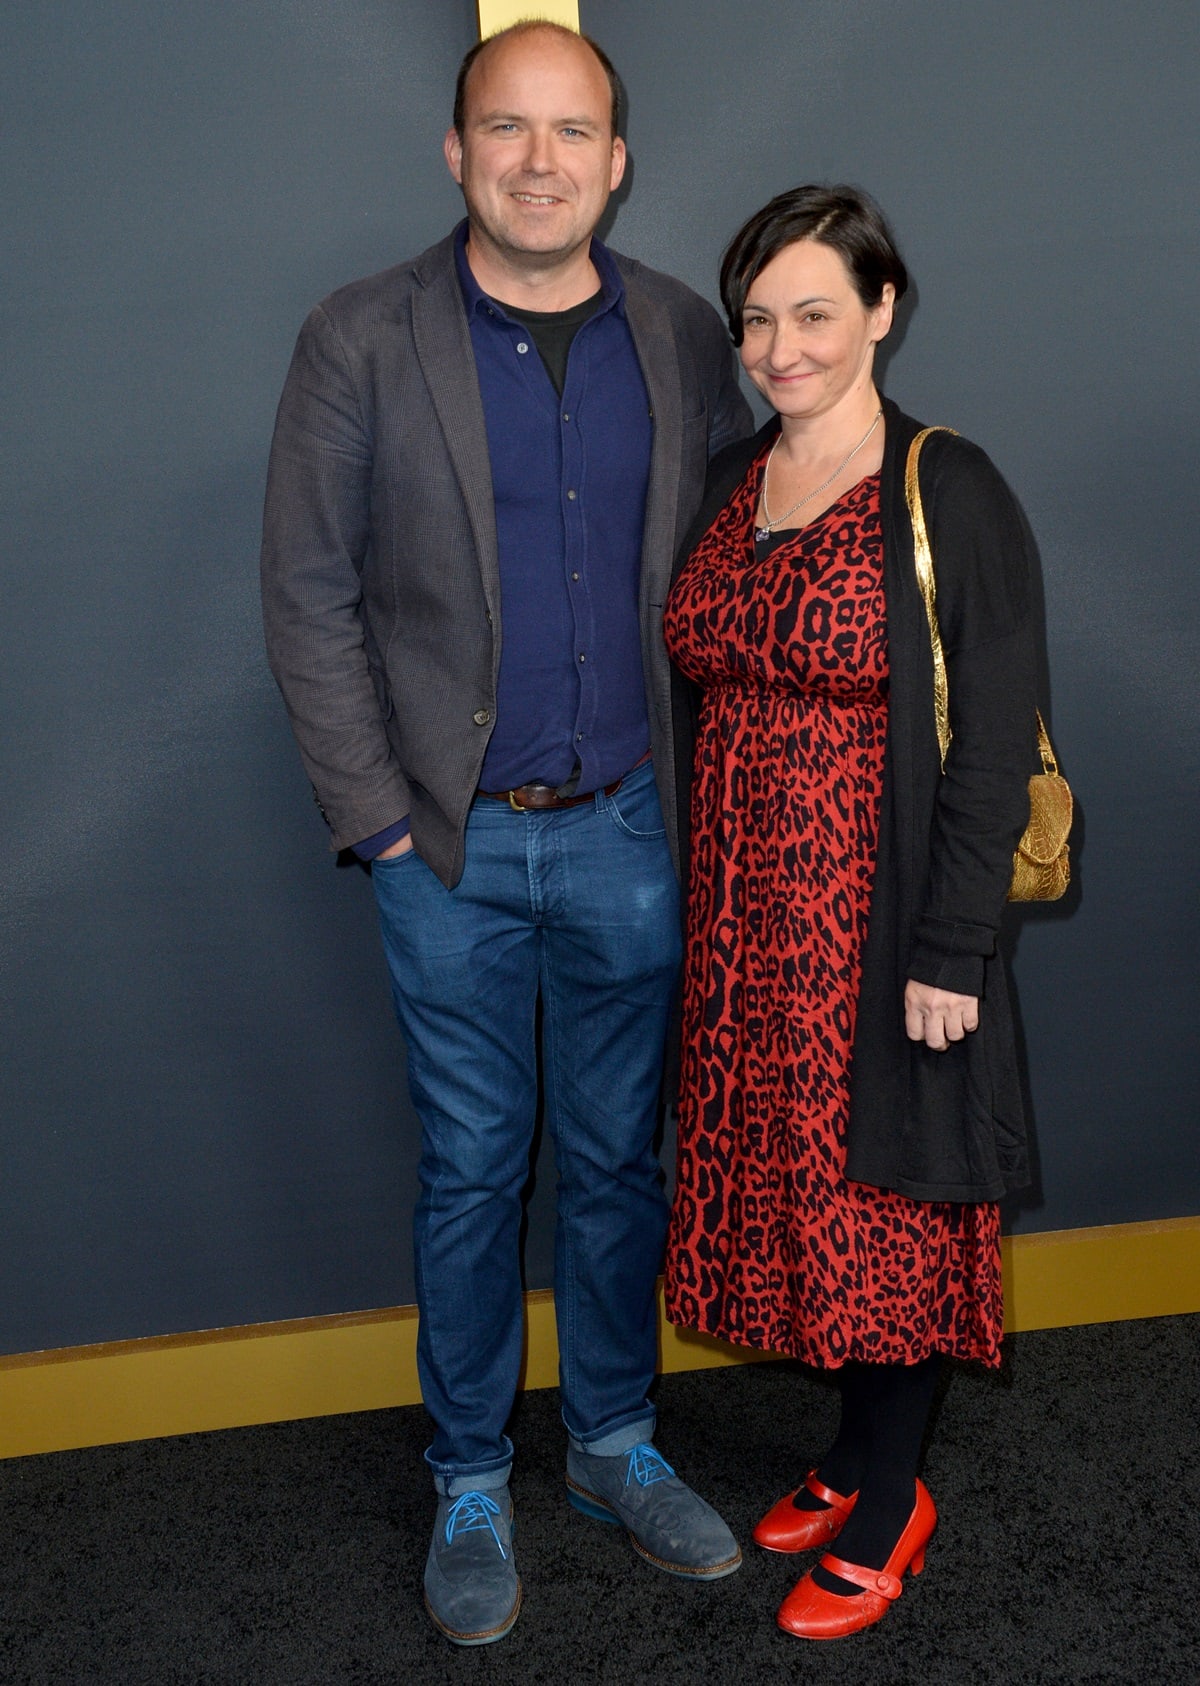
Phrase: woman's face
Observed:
(809, 339)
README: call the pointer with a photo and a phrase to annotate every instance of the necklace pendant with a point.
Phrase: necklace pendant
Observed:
(762, 534)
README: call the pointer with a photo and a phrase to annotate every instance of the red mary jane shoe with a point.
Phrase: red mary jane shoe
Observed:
(812, 1613)
(787, 1527)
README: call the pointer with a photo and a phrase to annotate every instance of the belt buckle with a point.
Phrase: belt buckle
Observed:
(517, 807)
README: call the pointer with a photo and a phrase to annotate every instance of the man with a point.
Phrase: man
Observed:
(483, 463)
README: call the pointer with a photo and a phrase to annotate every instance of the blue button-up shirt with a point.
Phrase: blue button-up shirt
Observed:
(569, 478)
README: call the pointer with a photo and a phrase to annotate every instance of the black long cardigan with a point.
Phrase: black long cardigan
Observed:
(936, 1126)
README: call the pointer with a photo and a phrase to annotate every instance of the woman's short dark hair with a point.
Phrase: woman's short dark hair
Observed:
(842, 217)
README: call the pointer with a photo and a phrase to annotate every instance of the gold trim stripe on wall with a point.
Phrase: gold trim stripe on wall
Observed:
(362, 1361)
(495, 15)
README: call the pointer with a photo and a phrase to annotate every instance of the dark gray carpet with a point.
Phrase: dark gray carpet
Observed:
(1068, 1552)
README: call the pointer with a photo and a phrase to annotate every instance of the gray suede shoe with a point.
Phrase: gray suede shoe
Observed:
(471, 1588)
(669, 1525)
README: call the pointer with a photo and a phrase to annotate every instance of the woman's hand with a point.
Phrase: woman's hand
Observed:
(938, 1017)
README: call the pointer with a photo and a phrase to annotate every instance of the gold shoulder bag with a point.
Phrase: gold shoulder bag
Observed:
(1041, 864)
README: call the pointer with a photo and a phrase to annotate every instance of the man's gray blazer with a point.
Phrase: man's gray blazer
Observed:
(380, 573)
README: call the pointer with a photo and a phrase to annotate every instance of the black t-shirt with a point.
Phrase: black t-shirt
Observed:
(552, 332)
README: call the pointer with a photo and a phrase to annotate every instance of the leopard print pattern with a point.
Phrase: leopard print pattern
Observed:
(770, 1245)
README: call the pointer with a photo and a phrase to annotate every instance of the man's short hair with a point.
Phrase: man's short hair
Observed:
(527, 26)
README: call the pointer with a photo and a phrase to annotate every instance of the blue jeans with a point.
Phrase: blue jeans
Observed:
(580, 904)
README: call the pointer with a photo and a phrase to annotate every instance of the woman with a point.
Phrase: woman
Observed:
(850, 1110)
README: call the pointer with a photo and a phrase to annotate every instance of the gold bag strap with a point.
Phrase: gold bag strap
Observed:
(928, 584)
(925, 579)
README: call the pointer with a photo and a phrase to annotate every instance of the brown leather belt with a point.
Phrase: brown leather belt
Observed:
(546, 796)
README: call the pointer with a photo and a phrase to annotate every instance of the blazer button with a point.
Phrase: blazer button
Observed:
(482, 716)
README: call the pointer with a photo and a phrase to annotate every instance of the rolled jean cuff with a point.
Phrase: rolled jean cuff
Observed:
(453, 1480)
(611, 1442)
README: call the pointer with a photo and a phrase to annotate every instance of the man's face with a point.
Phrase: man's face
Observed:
(537, 158)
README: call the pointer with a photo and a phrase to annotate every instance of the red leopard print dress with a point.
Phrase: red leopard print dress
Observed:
(770, 1246)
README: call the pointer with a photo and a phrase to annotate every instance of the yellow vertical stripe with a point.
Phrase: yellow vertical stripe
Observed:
(498, 14)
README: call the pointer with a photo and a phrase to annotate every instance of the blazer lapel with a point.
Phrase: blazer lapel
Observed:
(654, 341)
(443, 346)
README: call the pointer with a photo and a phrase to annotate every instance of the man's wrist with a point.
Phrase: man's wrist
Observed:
(372, 847)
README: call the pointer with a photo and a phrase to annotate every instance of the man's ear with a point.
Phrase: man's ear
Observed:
(453, 149)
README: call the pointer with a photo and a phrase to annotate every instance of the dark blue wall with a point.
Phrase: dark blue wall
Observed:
(203, 1119)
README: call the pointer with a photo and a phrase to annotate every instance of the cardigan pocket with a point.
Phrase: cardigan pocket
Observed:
(1005, 1097)
(948, 1151)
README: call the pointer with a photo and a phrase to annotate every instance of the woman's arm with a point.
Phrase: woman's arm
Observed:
(982, 560)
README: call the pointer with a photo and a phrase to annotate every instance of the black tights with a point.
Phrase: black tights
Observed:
(885, 1410)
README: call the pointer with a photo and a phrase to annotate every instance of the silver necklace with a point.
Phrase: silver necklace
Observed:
(763, 533)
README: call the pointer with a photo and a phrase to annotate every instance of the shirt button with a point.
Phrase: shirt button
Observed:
(522, 347)
(579, 737)
(566, 418)
(574, 576)
(582, 657)
(571, 497)
(482, 716)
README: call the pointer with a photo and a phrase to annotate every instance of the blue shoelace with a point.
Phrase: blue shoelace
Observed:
(470, 1513)
(646, 1466)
